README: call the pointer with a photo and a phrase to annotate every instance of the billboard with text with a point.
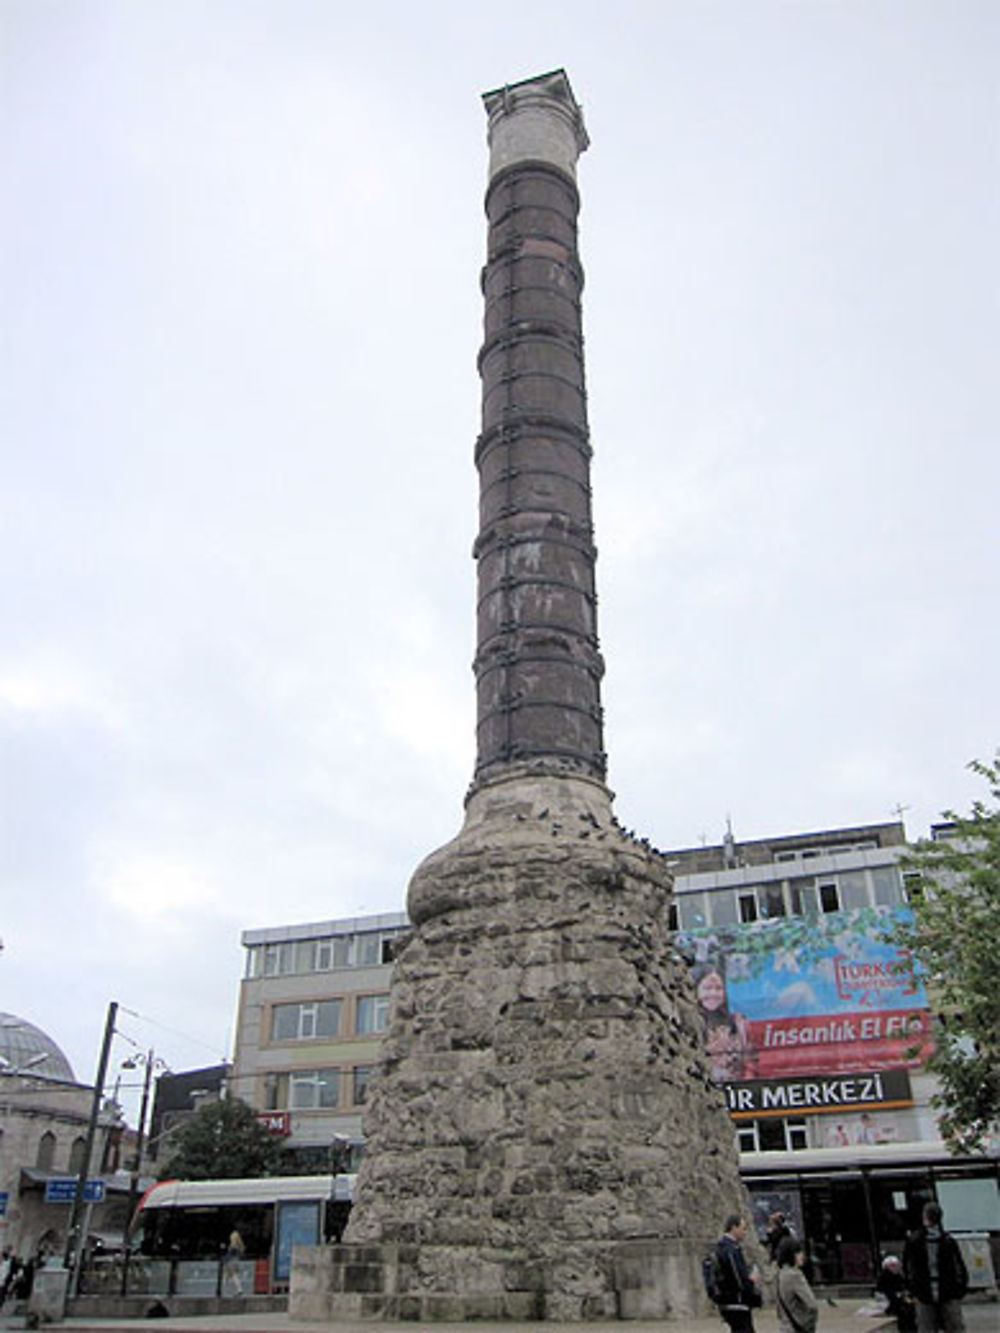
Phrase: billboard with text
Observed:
(794, 996)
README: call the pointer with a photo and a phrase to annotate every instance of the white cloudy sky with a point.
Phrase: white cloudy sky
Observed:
(240, 245)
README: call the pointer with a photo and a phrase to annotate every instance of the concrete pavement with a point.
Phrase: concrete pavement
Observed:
(844, 1317)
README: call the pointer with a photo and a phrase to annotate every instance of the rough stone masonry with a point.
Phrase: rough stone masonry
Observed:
(544, 1139)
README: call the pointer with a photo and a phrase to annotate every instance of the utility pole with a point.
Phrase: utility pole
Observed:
(76, 1234)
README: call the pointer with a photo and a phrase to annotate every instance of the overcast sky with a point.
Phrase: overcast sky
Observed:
(240, 245)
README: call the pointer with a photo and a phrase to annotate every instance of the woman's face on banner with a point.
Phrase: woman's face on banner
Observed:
(711, 992)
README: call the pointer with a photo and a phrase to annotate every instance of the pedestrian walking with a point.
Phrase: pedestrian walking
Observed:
(738, 1284)
(798, 1309)
(936, 1275)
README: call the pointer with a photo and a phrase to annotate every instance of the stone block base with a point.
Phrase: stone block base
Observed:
(650, 1279)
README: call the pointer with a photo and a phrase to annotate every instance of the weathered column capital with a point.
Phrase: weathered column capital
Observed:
(536, 120)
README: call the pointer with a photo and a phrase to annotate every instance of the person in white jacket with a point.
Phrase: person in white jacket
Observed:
(798, 1309)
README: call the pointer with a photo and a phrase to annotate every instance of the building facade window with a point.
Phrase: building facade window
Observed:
(371, 948)
(313, 1089)
(772, 1134)
(303, 1022)
(46, 1151)
(302, 1090)
(359, 1087)
(829, 897)
(76, 1153)
(372, 1014)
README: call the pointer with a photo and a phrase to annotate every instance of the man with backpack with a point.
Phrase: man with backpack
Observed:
(735, 1288)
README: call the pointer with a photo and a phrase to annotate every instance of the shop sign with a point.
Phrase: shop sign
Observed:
(878, 1089)
(276, 1122)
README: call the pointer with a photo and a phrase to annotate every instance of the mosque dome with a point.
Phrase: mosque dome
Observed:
(25, 1048)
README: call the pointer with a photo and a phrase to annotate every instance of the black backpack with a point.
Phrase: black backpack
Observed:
(712, 1276)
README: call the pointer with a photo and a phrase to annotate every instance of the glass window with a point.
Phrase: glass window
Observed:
(691, 908)
(342, 950)
(285, 1022)
(829, 899)
(373, 1013)
(746, 1137)
(301, 1022)
(314, 1089)
(797, 1135)
(853, 890)
(328, 1018)
(275, 1092)
(772, 900)
(391, 943)
(277, 959)
(324, 955)
(305, 956)
(367, 949)
(771, 1135)
(886, 886)
(724, 908)
(802, 897)
(913, 887)
(46, 1151)
(362, 1074)
(748, 908)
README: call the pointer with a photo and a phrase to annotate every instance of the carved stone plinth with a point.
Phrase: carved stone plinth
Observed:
(543, 1137)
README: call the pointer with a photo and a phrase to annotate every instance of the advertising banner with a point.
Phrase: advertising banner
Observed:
(789, 997)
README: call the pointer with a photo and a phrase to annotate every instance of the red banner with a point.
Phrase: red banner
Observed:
(840, 1043)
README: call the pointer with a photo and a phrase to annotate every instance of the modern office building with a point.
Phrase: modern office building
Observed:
(313, 1004)
(818, 1028)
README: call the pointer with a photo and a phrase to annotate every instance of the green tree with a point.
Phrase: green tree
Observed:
(955, 935)
(222, 1141)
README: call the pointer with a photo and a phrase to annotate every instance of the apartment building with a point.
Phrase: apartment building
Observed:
(313, 1005)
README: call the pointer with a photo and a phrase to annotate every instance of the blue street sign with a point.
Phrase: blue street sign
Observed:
(4, 1196)
(62, 1189)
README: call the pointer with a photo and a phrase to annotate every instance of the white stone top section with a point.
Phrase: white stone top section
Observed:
(537, 120)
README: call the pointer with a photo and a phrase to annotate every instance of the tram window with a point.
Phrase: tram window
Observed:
(748, 908)
(829, 898)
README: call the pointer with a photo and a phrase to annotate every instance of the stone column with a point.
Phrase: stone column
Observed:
(544, 1139)
(538, 668)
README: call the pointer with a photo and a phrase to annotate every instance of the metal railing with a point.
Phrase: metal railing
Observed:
(138, 1275)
